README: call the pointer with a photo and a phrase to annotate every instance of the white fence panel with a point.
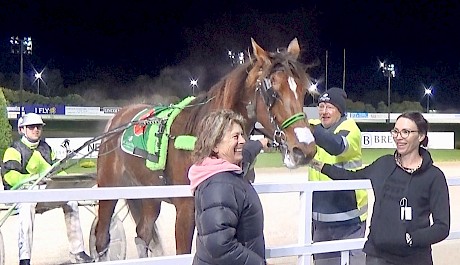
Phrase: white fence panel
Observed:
(303, 249)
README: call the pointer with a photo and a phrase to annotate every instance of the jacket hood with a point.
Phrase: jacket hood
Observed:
(427, 161)
(202, 171)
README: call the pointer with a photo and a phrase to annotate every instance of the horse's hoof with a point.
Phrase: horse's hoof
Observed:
(102, 256)
(156, 250)
(142, 249)
(156, 246)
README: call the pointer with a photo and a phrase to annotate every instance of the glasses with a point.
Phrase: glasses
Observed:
(327, 108)
(33, 126)
(404, 133)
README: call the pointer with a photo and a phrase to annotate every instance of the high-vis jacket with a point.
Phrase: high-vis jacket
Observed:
(347, 206)
(21, 161)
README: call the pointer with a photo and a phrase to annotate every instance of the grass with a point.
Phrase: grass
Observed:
(76, 168)
(267, 160)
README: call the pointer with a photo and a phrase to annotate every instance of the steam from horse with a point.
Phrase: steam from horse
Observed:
(269, 89)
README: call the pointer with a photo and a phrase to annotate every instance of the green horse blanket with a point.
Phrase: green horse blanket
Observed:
(150, 139)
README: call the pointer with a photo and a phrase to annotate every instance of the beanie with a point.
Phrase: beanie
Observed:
(336, 96)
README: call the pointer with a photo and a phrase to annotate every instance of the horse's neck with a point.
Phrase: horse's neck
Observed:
(231, 93)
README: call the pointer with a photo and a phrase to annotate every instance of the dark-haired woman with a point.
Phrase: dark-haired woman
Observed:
(408, 189)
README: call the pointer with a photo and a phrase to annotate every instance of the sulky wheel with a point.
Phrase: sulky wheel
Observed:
(117, 245)
(2, 250)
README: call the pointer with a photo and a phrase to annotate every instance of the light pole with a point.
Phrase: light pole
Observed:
(38, 78)
(231, 56)
(21, 47)
(235, 58)
(313, 90)
(388, 70)
(193, 84)
(428, 93)
(241, 58)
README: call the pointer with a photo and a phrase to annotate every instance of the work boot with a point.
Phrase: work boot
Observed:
(81, 257)
(24, 262)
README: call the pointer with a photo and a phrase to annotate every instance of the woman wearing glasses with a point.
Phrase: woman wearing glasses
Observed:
(408, 189)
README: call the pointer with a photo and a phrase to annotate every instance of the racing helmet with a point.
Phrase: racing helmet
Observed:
(30, 119)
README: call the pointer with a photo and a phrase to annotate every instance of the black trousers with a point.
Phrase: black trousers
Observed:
(325, 232)
(371, 260)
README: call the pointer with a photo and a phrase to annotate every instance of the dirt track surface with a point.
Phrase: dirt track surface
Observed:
(281, 225)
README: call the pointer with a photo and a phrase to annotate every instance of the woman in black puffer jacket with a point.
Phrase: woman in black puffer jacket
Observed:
(228, 213)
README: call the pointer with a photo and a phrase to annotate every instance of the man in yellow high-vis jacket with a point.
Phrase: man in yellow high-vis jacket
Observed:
(25, 158)
(337, 214)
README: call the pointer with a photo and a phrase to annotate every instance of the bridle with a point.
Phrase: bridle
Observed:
(270, 97)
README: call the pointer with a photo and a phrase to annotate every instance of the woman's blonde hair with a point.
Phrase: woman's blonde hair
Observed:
(211, 130)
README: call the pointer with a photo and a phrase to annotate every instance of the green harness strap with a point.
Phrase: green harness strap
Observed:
(294, 118)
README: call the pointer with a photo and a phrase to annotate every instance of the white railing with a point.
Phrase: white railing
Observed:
(303, 249)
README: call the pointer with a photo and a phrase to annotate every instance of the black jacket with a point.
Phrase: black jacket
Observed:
(229, 218)
(426, 192)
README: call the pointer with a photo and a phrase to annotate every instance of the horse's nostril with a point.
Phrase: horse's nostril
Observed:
(300, 156)
(298, 152)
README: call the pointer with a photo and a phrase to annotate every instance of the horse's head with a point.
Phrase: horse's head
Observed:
(278, 84)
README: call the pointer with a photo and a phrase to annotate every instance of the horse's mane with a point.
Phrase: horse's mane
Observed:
(229, 90)
(226, 90)
(285, 61)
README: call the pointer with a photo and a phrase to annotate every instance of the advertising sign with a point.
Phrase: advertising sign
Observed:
(82, 111)
(110, 110)
(45, 109)
(436, 140)
(58, 146)
(357, 115)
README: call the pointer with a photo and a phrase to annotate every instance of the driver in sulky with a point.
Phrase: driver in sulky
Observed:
(24, 160)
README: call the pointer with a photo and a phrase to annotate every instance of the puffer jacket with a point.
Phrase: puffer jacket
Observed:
(229, 219)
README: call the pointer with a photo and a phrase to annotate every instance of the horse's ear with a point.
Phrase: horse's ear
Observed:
(294, 48)
(259, 53)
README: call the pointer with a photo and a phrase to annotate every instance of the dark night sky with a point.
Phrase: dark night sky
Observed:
(142, 37)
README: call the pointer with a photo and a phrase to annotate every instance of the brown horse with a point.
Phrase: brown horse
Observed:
(269, 89)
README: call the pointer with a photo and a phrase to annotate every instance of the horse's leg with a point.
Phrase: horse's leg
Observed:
(135, 208)
(108, 174)
(102, 232)
(176, 172)
(185, 224)
(156, 245)
(145, 213)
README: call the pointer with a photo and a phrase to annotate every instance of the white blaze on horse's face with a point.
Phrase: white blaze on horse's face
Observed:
(293, 86)
(289, 163)
(304, 135)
